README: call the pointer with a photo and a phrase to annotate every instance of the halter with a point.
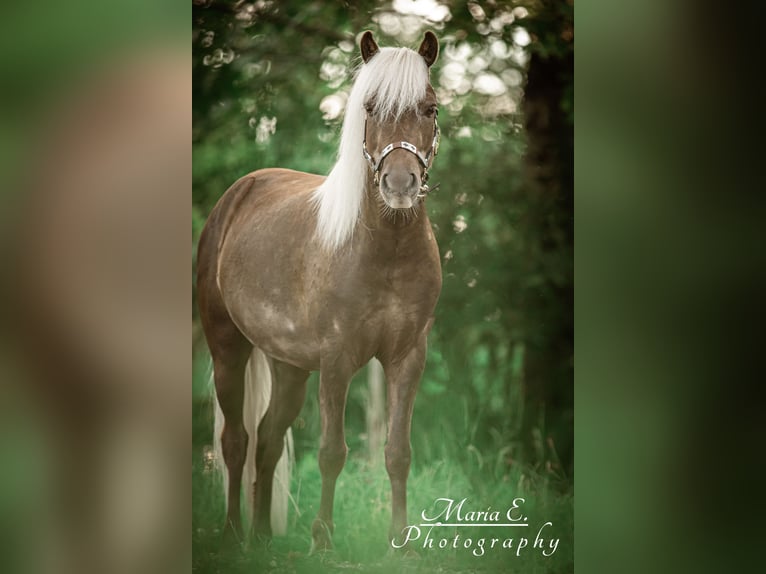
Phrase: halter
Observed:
(425, 159)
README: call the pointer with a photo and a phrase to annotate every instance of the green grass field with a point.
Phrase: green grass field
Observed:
(362, 507)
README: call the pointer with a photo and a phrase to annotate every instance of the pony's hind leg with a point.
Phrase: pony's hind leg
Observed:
(229, 373)
(288, 390)
(230, 351)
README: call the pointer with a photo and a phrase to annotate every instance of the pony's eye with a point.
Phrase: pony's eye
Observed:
(432, 111)
(369, 107)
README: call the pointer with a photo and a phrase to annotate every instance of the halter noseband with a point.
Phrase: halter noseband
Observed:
(425, 159)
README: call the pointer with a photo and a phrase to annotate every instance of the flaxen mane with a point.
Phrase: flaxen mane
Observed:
(398, 79)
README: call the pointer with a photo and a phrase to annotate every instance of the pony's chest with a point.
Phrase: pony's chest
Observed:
(398, 302)
(381, 300)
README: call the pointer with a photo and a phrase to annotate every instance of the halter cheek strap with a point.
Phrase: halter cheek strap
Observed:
(425, 159)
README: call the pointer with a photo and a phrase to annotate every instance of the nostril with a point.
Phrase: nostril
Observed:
(402, 182)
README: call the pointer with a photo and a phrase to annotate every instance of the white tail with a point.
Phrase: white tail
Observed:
(257, 397)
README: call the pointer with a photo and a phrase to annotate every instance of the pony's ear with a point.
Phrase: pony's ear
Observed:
(368, 46)
(429, 49)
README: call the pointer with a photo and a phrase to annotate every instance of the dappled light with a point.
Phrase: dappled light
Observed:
(459, 224)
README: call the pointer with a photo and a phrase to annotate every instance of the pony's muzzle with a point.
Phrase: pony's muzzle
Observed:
(399, 180)
(399, 188)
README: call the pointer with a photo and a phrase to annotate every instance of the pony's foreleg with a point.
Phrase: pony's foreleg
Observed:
(333, 389)
(288, 391)
(403, 379)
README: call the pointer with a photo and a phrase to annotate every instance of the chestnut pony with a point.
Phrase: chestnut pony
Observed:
(299, 272)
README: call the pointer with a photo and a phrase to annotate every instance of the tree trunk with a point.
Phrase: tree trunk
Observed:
(548, 309)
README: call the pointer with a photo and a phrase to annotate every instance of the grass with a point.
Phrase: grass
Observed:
(487, 478)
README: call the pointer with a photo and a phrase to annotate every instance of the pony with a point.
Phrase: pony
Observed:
(299, 272)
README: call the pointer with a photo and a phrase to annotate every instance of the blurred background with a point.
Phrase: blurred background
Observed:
(494, 415)
(95, 120)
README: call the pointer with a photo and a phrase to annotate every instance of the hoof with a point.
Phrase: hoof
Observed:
(399, 544)
(407, 551)
(231, 539)
(261, 541)
(321, 536)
